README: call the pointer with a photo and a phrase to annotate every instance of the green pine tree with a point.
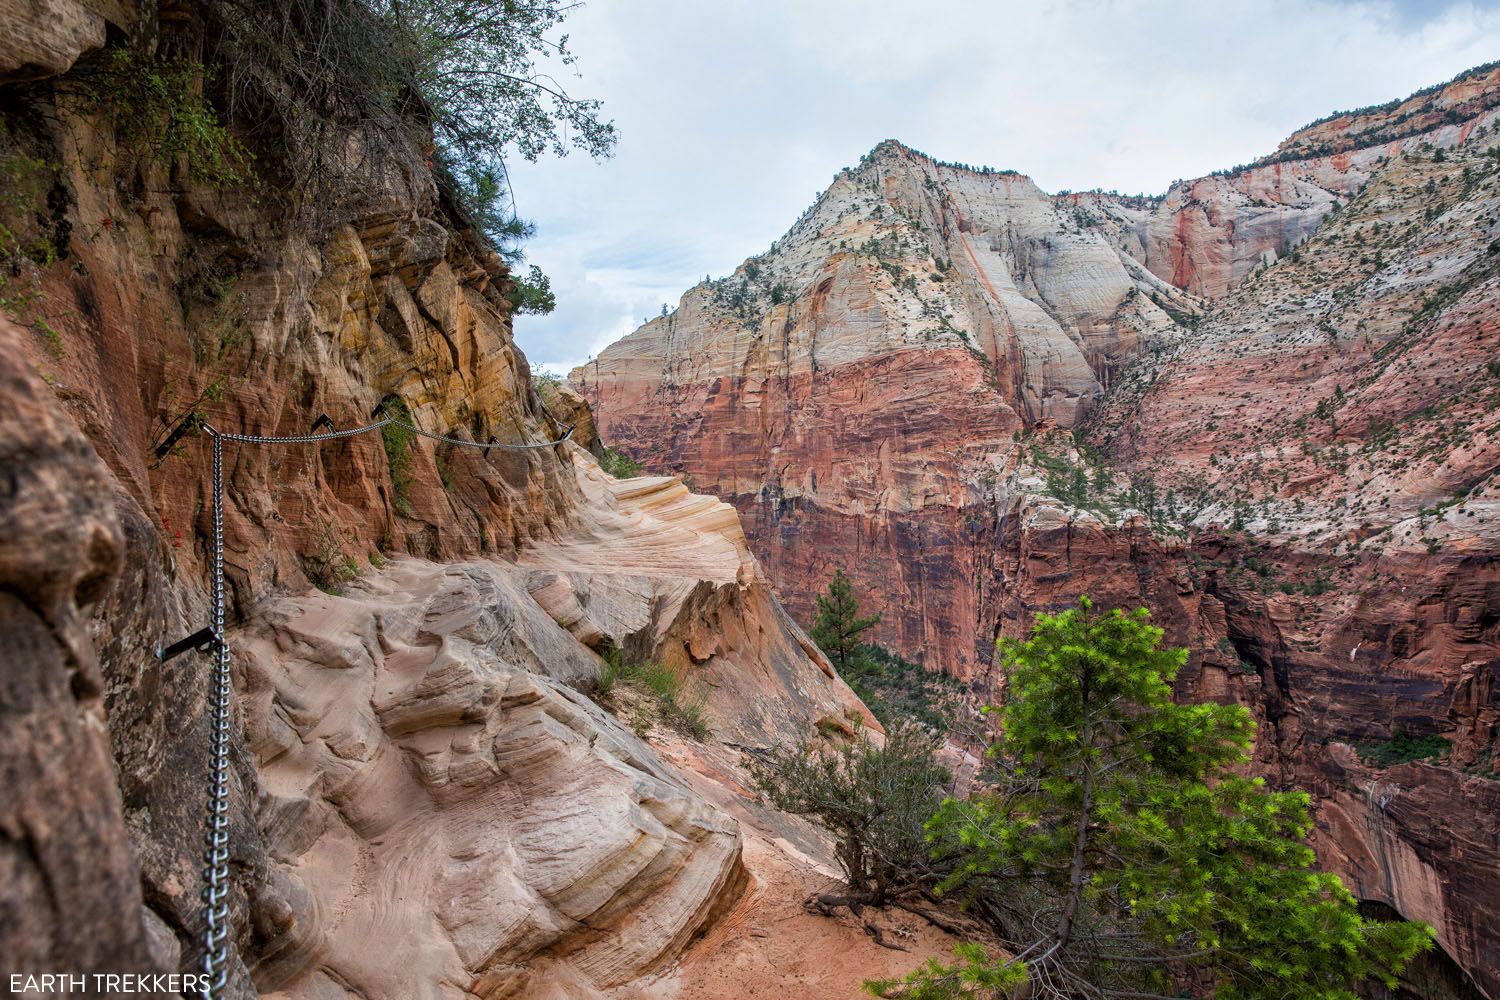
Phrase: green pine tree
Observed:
(1123, 853)
(838, 625)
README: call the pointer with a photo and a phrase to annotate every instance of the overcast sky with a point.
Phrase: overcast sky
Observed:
(734, 114)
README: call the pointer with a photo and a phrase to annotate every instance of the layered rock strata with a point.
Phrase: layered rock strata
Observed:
(1280, 388)
(1338, 415)
(855, 390)
(447, 815)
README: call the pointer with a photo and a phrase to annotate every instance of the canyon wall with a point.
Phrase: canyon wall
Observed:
(1263, 405)
(854, 390)
(1339, 414)
(423, 800)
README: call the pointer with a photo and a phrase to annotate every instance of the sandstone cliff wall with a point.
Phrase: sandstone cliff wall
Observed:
(422, 801)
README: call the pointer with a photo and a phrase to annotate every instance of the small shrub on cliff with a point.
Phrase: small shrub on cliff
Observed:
(192, 414)
(875, 800)
(609, 677)
(330, 567)
(897, 689)
(619, 464)
(1122, 852)
(398, 444)
(50, 334)
(156, 105)
(677, 700)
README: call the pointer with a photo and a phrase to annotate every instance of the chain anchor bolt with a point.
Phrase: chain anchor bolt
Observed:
(201, 640)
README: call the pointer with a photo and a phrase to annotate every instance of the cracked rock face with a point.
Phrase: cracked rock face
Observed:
(60, 552)
(446, 816)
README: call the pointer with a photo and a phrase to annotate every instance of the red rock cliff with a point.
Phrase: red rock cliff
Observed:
(1283, 385)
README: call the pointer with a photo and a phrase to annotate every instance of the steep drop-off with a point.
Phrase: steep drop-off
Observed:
(1263, 405)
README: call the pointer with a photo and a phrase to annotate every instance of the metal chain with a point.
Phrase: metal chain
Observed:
(298, 439)
(480, 444)
(331, 435)
(216, 833)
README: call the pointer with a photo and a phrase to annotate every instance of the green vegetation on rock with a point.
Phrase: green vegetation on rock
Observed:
(619, 464)
(1117, 849)
(839, 625)
(678, 700)
(398, 441)
(1122, 846)
(875, 800)
(1402, 748)
(157, 108)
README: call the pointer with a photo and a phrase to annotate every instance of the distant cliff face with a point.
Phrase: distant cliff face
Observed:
(856, 388)
(1342, 410)
(1264, 405)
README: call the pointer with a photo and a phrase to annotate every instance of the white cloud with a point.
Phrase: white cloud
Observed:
(734, 114)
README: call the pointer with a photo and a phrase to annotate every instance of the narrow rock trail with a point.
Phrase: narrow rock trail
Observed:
(768, 946)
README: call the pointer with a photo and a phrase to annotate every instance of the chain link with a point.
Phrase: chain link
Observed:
(300, 438)
(216, 833)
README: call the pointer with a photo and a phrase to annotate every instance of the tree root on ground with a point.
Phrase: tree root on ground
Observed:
(827, 903)
(877, 934)
(959, 927)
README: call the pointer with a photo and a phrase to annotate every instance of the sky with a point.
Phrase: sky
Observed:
(733, 115)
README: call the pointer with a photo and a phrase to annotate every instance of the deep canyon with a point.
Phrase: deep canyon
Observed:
(1263, 405)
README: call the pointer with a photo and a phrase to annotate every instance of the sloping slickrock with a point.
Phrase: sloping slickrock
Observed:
(665, 574)
(447, 815)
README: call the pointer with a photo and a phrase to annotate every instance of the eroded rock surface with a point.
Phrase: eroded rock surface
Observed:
(447, 815)
(665, 574)
(60, 552)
